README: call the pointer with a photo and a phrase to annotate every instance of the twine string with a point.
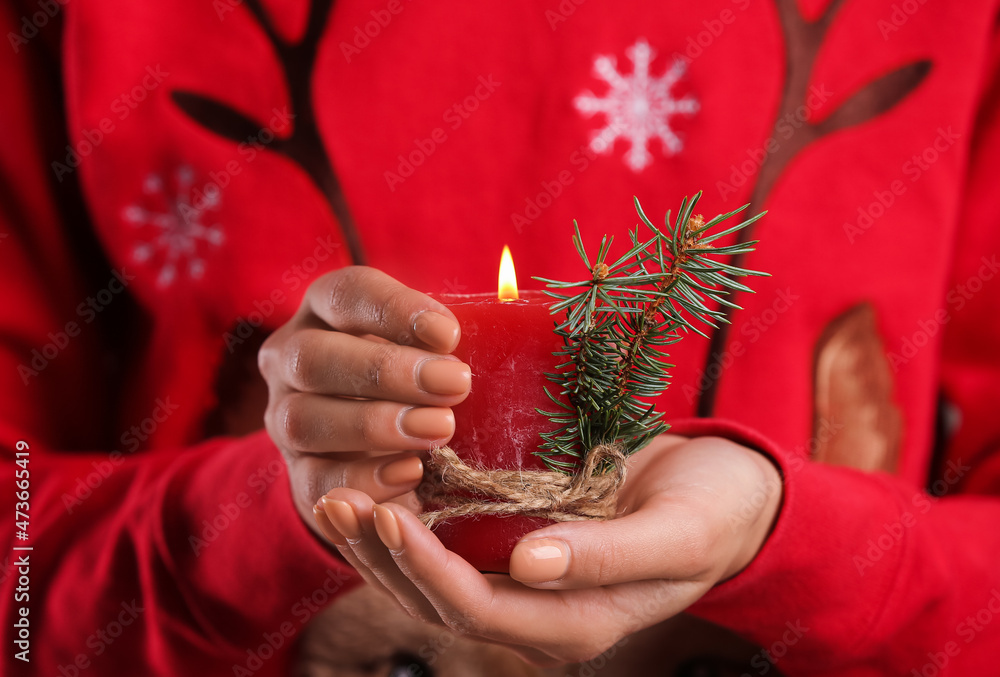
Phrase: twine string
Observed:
(460, 489)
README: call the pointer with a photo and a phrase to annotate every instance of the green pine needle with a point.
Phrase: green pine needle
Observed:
(618, 322)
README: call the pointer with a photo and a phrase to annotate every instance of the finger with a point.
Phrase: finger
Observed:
(664, 538)
(333, 363)
(383, 477)
(565, 623)
(326, 527)
(302, 422)
(465, 599)
(679, 524)
(361, 300)
(352, 514)
(331, 533)
(588, 622)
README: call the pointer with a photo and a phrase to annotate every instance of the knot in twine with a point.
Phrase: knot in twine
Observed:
(464, 490)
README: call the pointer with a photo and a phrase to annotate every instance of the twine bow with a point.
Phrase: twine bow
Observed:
(463, 490)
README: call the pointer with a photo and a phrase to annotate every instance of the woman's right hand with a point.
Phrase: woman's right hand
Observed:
(361, 371)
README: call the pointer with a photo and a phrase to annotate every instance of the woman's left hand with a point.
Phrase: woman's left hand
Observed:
(692, 513)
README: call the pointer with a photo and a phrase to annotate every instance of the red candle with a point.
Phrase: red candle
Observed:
(509, 345)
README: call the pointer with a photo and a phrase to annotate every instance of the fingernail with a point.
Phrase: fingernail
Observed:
(388, 528)
(444, 377)
(405, 471)
(327, 529)
(437, 331)
(342, 517)
(429, 423)
(540, 560)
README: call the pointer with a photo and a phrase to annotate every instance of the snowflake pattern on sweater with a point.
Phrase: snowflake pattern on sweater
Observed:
(173, 224)
(638, 107)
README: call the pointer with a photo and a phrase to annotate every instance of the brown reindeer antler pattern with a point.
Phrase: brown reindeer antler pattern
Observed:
(803, 40)
(304, 147)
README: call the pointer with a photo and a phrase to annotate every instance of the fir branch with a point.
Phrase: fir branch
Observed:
(619, 321)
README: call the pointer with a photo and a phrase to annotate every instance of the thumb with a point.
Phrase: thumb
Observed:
(663, 539)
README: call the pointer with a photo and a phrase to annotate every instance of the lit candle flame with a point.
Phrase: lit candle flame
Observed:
(507, 285)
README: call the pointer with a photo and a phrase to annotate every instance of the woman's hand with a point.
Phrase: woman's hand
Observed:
(361, 371)
(692, 513)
